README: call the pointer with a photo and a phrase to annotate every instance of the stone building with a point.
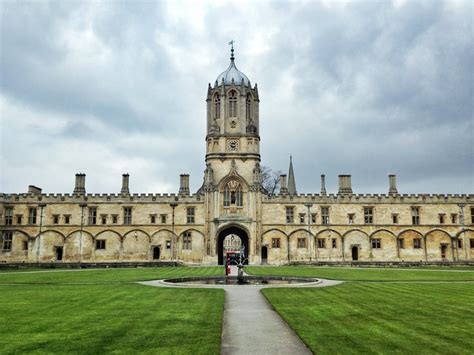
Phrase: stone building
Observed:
(274, 229)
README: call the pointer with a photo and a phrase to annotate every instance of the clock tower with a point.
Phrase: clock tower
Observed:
(232, 182)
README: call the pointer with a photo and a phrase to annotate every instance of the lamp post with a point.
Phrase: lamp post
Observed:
(173, 237)
(41, 206)
(82, 205)
(310, 239)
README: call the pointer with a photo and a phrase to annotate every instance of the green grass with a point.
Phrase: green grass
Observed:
(94, 276)
(97, 311)
(366, 274)
(369, 318)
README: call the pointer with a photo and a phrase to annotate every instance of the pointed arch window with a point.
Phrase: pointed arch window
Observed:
(233, 104)
(233, 195)
(217, 106)
(248, 107)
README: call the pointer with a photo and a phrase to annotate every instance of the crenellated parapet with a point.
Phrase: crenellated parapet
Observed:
(100, 198)
(371, 198)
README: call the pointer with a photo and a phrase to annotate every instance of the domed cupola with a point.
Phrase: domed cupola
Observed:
(232, 75)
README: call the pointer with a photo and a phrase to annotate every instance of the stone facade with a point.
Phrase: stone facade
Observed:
(274, 229)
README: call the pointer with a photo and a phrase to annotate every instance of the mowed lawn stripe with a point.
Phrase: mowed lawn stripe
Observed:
(364, 274)
(110, 317)
(91, 276)
(380, 318)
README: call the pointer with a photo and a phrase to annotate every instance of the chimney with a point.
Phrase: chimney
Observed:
(184, 184)
(283, 187)
(392, 179)
(345, 185)
(80, 187)
(125, 180)
(323, 184)
(35, 190)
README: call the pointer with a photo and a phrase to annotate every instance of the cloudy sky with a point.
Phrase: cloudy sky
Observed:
(365, 88)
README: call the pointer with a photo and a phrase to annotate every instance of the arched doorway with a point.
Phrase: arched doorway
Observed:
(238, 232)
(156, 253)
(59, 253)
(355, 253)
(264, 254)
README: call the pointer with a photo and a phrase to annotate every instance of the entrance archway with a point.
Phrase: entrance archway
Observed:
(242, 234)
(355, 253)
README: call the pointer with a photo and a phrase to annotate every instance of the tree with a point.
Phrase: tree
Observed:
(270, 180)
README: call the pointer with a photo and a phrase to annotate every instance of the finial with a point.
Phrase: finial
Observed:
(231, 43)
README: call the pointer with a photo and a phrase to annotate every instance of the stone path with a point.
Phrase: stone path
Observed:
(251, 326)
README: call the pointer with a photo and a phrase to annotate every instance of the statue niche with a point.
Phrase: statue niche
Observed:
(233, 195)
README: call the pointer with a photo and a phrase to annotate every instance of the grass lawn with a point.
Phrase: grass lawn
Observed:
(97, 311)
(368, 317)
(366, 274)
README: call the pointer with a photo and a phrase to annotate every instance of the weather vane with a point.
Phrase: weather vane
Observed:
(231, 43)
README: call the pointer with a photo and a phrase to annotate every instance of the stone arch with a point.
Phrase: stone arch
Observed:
(331, 250)
(388, 245)
(108, 230)
(224, 231)
(407, 250)
(78, 231)
(135, 245)
(113, 246)
(356, 245)
(195, 249)
(163, 240)
(49, 241)
(300, 230)
(79, 248)
(329, 230)
(276, 230)
(137, 230)
(439, 245)
(300, 252)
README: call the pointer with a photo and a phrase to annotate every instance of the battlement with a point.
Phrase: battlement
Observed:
(371, 198)
(99, 198)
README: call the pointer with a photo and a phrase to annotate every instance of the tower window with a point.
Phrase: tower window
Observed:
(454, 218)
(248, 107)
(395, 218)
(233, 104)
(217, 106)
(441, 218)
(233, 195)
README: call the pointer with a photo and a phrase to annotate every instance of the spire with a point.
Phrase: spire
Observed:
(231, 43)
(291, 179)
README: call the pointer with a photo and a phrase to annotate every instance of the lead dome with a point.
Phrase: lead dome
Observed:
(232, 75)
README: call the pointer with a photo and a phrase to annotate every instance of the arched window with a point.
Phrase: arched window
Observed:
(248, 107)
(233, 104)
(233, 194)
(217, 106)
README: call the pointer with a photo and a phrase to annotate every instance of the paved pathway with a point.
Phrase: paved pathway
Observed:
(251, 326)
